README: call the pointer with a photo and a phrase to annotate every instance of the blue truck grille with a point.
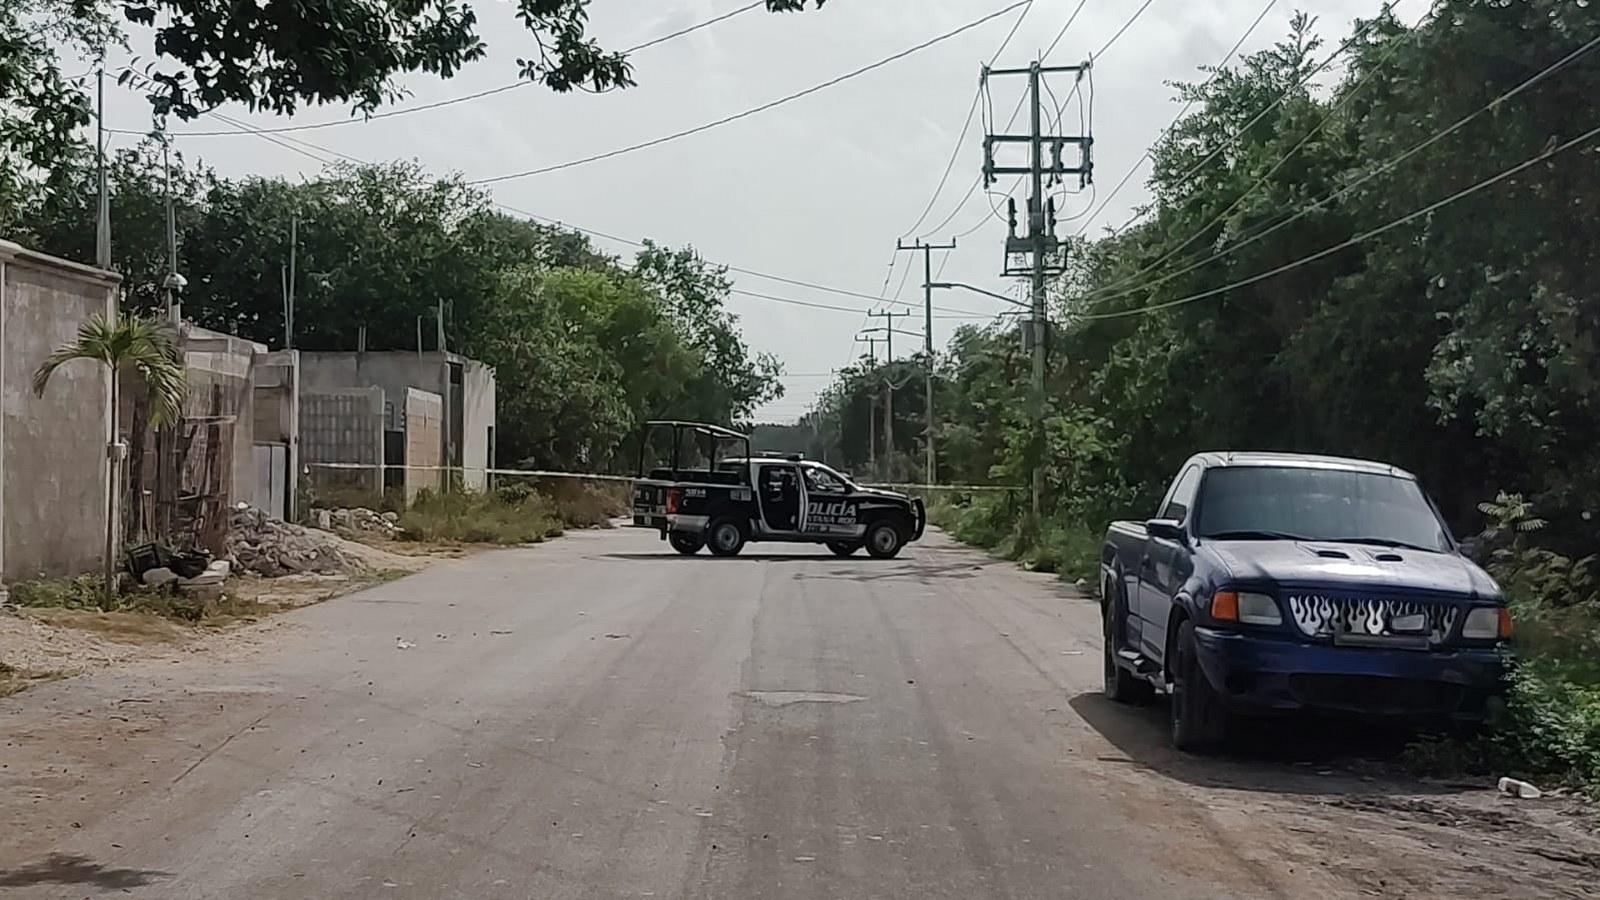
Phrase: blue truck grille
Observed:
(1323, 616)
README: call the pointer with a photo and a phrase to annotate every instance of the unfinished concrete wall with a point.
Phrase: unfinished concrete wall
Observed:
(424, 441)
(398, 371)
(392, 371)
(344, 427)
(276, 413)
(221, 379)
(52, 449)
(478, 416)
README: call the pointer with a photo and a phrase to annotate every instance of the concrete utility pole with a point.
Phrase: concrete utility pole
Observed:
(1039, 248)
(929, 473)
(888, 387)
(175, 282)
(102, 231)
(872, 407)
(289, 280)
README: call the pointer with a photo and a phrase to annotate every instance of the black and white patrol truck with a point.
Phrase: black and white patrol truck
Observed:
(701, 498)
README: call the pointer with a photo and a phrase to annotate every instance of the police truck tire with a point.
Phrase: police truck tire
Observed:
(725, 537)
(840, 548)
(685, 543)
(885, 537)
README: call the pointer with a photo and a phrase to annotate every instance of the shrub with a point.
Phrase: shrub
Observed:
(1550, 731)
(82, 592)
(473, 517)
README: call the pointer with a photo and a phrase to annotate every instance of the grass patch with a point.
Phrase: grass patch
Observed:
(999, 523)
(13, 679)
(82, 592)
(577, 503)
(481, 518)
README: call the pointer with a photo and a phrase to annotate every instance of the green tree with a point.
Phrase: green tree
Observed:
(145, 348)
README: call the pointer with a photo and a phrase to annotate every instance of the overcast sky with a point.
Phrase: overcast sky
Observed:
(815, 190)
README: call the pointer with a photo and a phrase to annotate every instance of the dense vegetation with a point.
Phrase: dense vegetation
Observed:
(1463, 343)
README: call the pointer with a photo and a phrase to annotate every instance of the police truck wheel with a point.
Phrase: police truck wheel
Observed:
(884, 539)
(841, 548)
(687, 544)
(725, 537)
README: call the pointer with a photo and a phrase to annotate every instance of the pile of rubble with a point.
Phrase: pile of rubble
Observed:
(358, 521)
(272, 547)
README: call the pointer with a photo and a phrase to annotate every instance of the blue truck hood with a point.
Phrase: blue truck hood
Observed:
(1357, 566)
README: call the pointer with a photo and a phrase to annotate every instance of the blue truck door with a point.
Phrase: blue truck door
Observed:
(1164, 567)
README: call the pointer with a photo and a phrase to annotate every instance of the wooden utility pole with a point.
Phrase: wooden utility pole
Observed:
(1039, 250)
(929, 473)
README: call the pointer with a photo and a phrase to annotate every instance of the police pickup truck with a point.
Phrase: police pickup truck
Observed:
(702, 499)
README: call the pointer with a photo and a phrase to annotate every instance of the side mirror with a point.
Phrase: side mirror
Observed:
(1471, 547)
(1166, 530)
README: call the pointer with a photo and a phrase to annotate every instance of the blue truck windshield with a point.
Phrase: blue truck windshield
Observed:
(1317, 505)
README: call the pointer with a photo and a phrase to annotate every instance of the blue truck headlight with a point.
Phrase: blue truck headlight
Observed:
(1259, 609)
(1486, 623)
(1245, 607)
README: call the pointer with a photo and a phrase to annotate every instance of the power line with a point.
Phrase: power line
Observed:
(1357, 239)
(1107, 292)
(289, 144)
(849, 309)
(479, 94)
(1217, 70)
(1016, 111)
(753, 110)
(967, 125)
(1063, 32)
(1249, 192)
(1125, 26)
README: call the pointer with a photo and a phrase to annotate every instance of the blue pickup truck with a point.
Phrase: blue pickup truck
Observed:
(1273, 583)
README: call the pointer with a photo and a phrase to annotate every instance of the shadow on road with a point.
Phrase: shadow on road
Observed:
(861, 568)
(906, 570)
(67, 868)
(1285, 755)
(711, 560)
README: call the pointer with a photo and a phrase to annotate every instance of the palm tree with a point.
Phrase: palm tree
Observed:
(148, 347)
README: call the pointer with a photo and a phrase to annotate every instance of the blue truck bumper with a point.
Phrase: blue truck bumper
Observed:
(1256, 674)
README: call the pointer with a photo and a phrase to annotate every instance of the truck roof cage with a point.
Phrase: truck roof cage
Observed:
(781, 454)
(717, 433)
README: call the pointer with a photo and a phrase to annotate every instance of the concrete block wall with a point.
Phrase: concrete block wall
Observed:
(398, 371)
(343, 426)
(52, 449)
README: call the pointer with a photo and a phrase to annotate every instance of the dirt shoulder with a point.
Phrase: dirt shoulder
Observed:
(1312, 809)
(46, 643)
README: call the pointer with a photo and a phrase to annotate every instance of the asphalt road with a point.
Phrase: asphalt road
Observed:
(600, 718)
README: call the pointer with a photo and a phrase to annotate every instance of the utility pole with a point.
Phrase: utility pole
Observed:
(929, 468)
(174, 282)
(872, 405)
(289, 277)
(888, 387)
(102, 232)
(1039, 249)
